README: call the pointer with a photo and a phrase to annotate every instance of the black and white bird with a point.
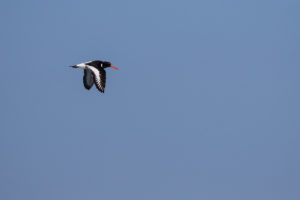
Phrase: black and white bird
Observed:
(94, 73)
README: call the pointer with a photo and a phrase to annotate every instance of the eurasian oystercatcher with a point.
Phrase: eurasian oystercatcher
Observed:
(94, 73)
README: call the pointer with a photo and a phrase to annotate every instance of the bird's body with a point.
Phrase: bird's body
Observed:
(94, 73)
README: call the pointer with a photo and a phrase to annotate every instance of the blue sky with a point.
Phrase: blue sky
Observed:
(205, 104)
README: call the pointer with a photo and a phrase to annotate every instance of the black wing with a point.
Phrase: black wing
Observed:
(88, 79)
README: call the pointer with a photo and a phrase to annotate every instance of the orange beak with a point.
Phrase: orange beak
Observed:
(114, 67)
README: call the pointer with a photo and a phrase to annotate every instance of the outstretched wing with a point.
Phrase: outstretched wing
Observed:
(99, 76)
(88, 80)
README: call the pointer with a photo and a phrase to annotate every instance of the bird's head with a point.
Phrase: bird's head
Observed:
(108, 64)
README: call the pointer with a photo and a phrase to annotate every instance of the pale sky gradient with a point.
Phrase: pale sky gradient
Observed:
(205, 104)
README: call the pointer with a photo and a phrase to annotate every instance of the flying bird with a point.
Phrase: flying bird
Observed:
(94, 73)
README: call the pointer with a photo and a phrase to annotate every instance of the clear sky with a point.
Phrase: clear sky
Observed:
(205, 104)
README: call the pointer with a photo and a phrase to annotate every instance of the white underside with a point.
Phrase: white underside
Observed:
(81, 65)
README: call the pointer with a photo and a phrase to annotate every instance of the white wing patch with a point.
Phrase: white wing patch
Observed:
(97, 78)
